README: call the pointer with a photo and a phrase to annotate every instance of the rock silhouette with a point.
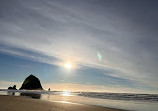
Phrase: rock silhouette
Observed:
(12, 88)
(31, 83)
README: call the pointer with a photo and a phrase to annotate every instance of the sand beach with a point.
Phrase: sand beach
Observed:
(17, 103)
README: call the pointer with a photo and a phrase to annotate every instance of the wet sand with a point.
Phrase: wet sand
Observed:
(17, 103)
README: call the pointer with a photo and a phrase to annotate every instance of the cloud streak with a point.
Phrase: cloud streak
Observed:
(121, 32)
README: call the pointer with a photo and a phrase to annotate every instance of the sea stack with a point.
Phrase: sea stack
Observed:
(31, 83)
(12, 88)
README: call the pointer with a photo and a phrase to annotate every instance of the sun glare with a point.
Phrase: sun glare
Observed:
(66, 93)
(68, 65)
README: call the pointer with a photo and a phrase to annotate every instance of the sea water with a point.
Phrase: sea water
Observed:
(127, 101)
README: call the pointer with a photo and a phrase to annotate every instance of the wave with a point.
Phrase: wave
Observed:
(99, 95)
(121, 96)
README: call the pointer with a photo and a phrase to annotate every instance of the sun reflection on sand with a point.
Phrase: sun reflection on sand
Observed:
(66, 93)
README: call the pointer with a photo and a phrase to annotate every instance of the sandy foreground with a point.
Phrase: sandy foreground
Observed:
(16, 103)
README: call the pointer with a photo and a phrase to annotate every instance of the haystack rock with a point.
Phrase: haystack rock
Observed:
(31, 83)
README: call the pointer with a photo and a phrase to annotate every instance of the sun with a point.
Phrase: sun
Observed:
(68, 65)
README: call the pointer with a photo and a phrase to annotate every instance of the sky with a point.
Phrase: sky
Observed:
(112, 45)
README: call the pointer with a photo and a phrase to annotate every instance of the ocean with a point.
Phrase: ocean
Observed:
(127, 101)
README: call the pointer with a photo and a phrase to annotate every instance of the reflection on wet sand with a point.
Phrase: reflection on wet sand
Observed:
(10, 93)
(31, 95)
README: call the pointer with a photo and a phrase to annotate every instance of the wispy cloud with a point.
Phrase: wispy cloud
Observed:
(55, 31)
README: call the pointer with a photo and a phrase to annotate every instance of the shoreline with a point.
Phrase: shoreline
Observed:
(18, 103)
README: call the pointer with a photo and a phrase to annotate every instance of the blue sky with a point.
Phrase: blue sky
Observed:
(39, 36)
